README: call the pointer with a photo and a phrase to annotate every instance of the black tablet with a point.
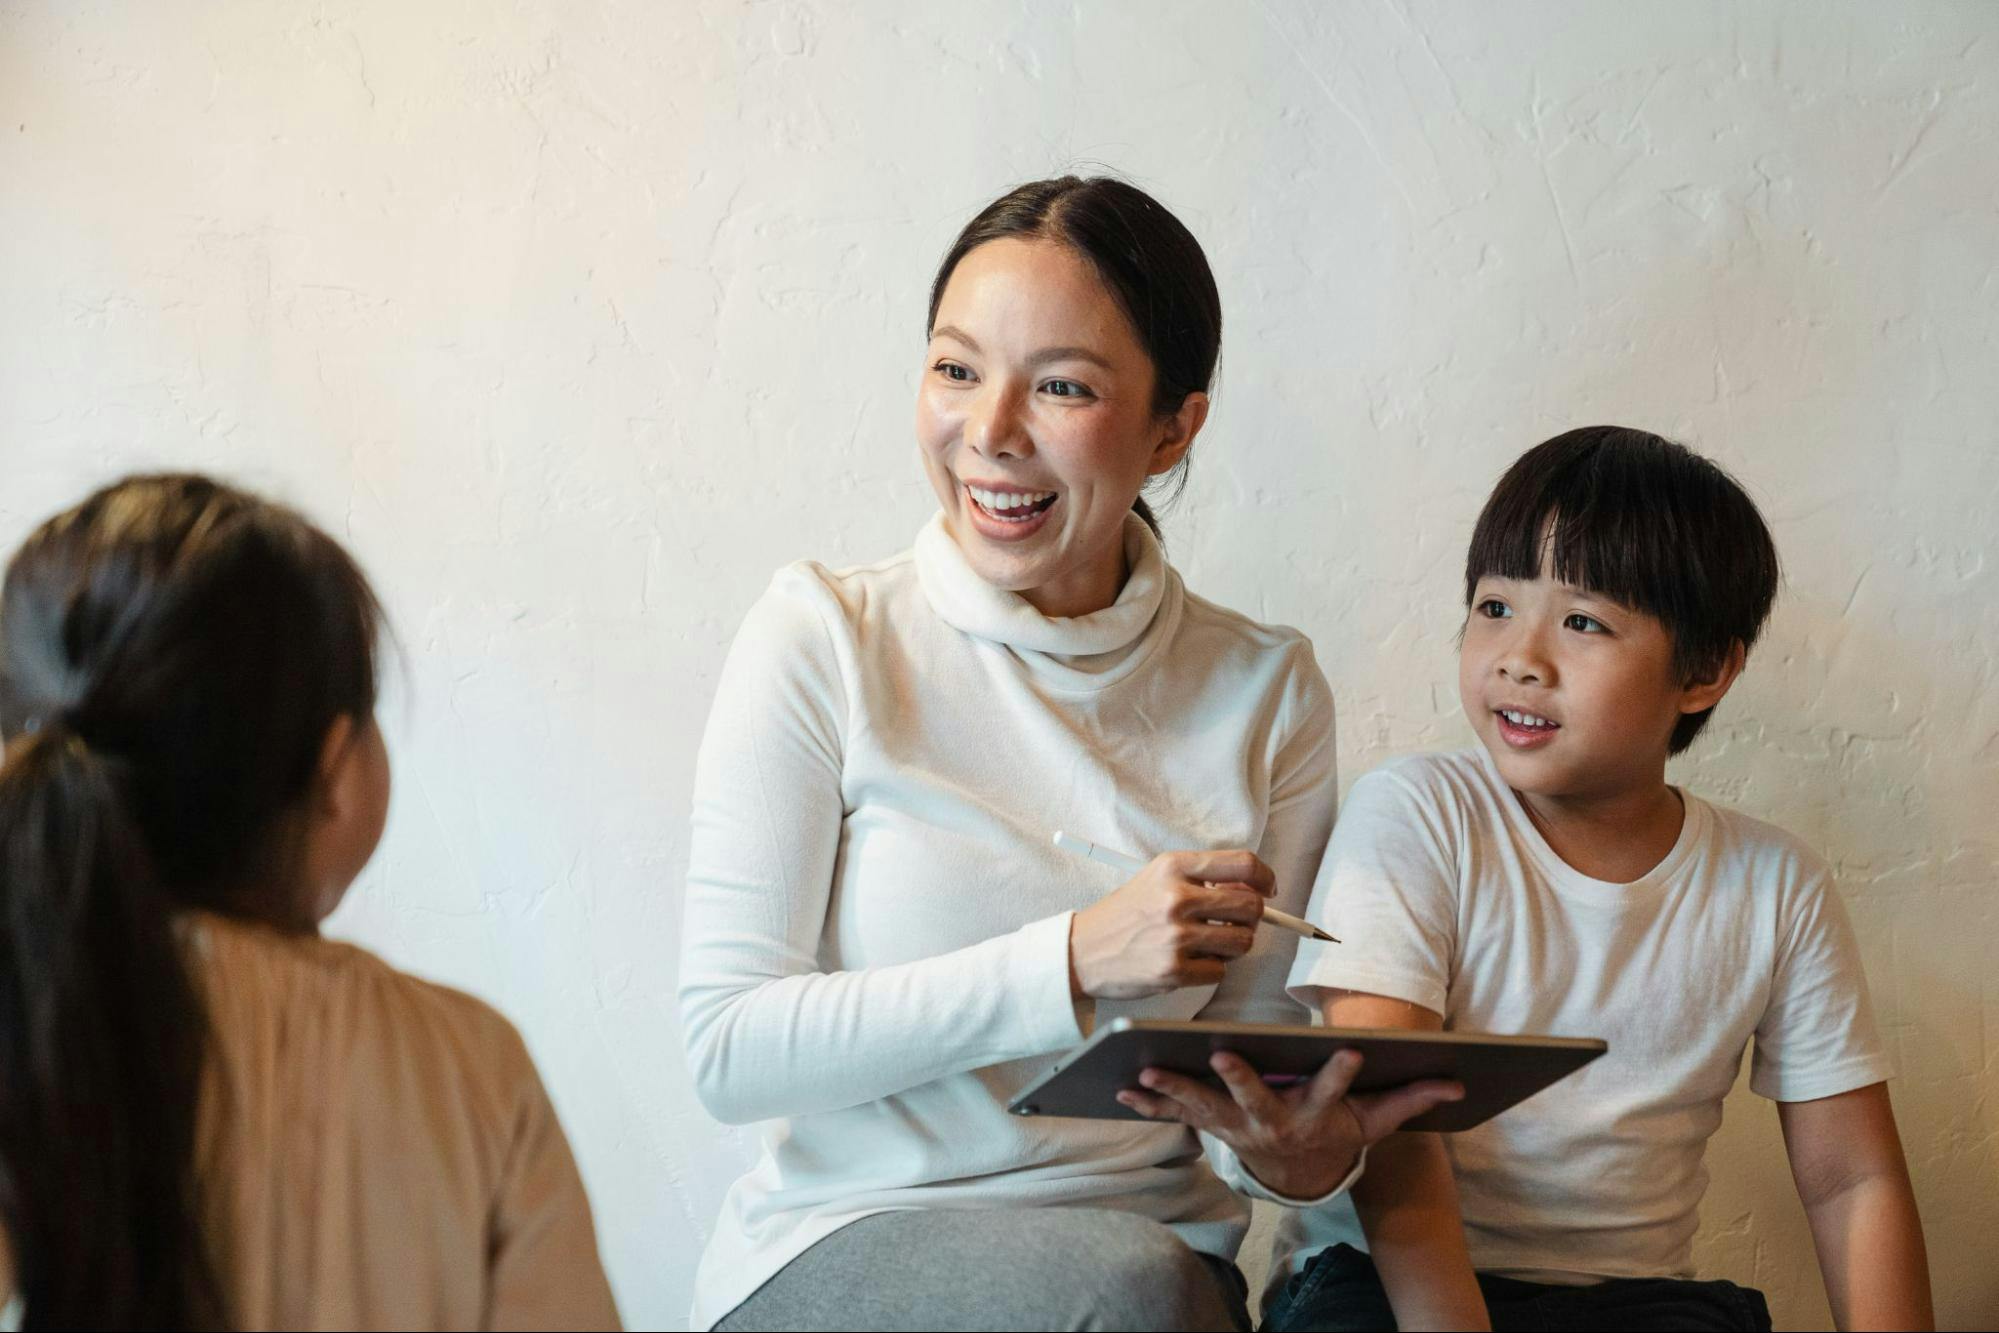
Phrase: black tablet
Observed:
(1497, 1071)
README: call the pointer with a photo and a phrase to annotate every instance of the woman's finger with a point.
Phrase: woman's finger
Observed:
(1199, 1105)
(1150, 1105)
(1221, 902)
(1234, 867)
(1251, 1093)
(1217, 941)
(1382, 1113)
(1330, 1083)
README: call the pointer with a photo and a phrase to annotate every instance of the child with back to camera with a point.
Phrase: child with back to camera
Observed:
(209, 1116)
(1551, 881)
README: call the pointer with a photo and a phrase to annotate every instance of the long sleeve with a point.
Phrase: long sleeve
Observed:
(545, 1271)
(769, 1032)
(1304, 796)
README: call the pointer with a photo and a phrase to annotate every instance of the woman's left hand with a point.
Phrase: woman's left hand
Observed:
(1300, 1141)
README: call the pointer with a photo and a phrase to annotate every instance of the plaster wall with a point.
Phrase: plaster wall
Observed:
(577, 320)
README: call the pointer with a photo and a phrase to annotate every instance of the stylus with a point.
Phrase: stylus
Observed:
(1131, 865)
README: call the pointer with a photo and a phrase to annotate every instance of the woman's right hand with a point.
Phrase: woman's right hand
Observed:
(1175, 923)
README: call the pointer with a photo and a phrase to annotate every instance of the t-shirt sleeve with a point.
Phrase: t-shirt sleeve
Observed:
(1388, 890)
(544, 1267)
(1817, 1037)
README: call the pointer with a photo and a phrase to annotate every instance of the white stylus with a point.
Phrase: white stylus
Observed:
(1131, 865)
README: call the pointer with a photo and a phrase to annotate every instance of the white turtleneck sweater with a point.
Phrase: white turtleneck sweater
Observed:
(876, 946)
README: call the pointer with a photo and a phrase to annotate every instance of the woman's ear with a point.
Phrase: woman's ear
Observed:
(1181, 426)
(1704, 692)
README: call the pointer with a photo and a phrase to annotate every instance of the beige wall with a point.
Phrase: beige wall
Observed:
(579, 319)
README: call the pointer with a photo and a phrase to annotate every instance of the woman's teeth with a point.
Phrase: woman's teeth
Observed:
(1520, 719)
(1012, 506)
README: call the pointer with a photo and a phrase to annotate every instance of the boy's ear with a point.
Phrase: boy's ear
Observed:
(1705, 691)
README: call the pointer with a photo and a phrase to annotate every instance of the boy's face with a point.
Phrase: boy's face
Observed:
(1573, 695)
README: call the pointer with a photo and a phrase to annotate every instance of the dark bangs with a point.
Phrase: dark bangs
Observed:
(1644, 522)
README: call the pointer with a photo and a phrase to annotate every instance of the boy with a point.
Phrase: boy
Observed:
(1550, 881)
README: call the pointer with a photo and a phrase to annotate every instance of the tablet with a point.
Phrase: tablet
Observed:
(1497, 1071)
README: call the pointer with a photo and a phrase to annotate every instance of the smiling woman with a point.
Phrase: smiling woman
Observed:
(881, 943)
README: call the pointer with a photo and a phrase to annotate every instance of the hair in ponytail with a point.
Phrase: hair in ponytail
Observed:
(173, 653)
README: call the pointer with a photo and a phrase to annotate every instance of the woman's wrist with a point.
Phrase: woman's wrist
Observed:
(1306, 1179)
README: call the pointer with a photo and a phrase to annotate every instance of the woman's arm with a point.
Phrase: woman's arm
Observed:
(769, 1031)
(1846, 1159)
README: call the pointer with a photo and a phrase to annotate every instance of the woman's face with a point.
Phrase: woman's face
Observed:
(1036, 423)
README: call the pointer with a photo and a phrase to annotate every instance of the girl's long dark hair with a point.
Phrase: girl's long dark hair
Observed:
(173, 653)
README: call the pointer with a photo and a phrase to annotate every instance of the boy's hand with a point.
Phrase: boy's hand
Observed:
(1299, 1141)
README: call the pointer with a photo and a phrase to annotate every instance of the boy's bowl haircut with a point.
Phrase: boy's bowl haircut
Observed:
(1648, 523)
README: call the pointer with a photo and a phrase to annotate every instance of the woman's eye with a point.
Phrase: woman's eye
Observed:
(951, 370)
(1583, 624)
(1065, 389)
(1494, 609)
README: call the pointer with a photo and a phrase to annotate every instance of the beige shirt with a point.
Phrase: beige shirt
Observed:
(377, 1151)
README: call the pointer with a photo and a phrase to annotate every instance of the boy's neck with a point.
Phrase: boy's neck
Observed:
(1617, 836)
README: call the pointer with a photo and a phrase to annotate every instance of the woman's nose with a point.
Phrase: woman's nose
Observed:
(998, 427)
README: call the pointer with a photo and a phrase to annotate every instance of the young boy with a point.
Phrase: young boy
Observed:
(1550, 881)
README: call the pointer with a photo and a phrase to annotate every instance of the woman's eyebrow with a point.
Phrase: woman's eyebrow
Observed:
(955, 334)
(1048, 354)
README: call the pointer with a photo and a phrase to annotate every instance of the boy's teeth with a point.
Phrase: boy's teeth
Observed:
(1524, 719)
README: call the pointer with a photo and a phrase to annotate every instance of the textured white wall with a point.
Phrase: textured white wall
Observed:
(577, 320)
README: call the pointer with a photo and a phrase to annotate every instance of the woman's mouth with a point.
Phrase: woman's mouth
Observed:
(1522, 730)
(1008, 515)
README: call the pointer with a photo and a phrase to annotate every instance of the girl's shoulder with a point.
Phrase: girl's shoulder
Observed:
(269, 991)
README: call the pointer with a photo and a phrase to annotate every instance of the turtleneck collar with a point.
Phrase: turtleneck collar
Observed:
(1082, 652)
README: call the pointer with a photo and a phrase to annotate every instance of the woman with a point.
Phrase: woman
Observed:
(881, 944)
(210, 1116)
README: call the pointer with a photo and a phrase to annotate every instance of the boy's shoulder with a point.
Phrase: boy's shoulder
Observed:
(1742, 845)
(1440, 779)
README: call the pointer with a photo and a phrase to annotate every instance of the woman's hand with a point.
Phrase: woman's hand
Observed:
(1173, 924)
(1300, 1141)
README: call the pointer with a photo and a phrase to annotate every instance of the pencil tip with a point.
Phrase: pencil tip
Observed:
(1318, 934)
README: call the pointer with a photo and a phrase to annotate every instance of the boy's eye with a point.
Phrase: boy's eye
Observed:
(951, 370)
(1065, 389)
(1583, 624)
(1494, 609)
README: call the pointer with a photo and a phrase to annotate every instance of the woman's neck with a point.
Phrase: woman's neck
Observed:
(1084, 591)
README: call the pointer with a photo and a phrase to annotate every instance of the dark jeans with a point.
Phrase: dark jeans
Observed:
(1339, 1290)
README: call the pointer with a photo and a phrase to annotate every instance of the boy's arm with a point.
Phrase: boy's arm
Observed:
(1847, 1161)
(1407, 1201)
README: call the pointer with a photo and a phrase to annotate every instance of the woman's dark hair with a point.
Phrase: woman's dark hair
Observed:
(1645, 522)
(1148, 259)
(173, 654)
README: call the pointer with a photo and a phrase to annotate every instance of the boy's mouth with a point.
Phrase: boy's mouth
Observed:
(1522, 730)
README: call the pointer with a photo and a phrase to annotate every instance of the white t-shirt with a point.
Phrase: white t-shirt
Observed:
(876, 947)
(1448, 897)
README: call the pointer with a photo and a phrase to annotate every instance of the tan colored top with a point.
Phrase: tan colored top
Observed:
(377, 1151)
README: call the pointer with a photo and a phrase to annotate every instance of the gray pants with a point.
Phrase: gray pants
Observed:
(1023, 1268)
